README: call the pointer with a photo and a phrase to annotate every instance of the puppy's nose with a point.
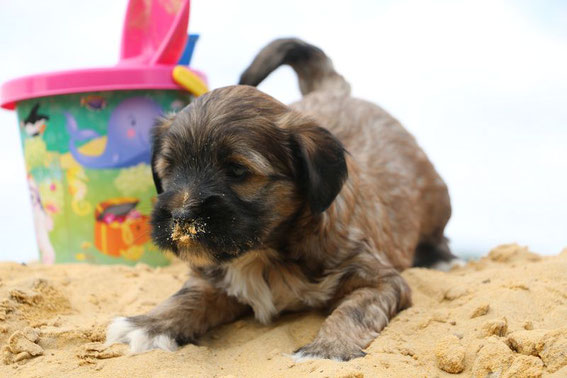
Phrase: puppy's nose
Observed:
(181, 215)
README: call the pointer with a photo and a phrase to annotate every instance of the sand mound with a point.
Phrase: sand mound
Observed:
(505, 314)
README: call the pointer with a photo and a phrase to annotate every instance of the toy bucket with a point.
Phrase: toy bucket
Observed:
(86, 142)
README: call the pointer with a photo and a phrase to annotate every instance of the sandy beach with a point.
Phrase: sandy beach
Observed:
(505, 313)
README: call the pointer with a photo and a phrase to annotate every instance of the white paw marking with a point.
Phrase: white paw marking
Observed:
(300, 357)
(121, 330)
(445, 266)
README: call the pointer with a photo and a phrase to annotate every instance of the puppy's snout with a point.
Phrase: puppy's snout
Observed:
(182, 215)
(195, 206)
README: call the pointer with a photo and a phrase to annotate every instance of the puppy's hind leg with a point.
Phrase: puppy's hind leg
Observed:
(179, 320)
(435, 254)
(358, 319)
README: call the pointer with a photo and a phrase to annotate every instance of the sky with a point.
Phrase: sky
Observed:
(482, 84)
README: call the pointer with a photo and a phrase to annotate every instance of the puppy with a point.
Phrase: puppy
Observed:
(317, 205)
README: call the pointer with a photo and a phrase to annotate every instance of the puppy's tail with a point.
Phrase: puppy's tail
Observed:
(314, 69)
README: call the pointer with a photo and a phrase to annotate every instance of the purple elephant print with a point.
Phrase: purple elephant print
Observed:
(128, 135)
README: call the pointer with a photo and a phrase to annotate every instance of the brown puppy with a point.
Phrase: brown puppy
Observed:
(273, 214)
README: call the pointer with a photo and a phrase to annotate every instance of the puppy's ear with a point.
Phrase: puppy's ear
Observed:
(158, 131)
(320, 164)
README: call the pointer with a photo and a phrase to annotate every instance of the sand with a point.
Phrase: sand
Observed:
(504, 314)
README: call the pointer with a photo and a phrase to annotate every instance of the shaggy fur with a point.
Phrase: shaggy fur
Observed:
(273, 214)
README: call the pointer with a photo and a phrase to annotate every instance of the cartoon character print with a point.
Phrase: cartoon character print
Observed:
(43, 224)
(35, 123)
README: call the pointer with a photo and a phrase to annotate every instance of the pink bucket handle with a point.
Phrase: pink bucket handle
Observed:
(154, 32)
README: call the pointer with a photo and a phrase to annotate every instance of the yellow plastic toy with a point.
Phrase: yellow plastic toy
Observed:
(189, 80)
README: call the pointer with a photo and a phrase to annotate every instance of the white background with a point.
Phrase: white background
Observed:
(482, 85)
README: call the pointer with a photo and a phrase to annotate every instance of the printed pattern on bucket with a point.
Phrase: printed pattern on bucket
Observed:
(87, 160)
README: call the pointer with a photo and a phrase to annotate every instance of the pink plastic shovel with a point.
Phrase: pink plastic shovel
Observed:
(154, 32)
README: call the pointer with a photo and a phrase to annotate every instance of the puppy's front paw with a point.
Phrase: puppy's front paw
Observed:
(330, 351)
(140, 339)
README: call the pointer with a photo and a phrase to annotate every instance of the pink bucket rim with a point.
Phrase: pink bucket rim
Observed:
(88, 80)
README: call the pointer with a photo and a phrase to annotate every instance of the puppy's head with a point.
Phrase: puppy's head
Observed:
(232, 168)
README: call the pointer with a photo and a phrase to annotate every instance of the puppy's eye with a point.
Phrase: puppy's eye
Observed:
(237, 171)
